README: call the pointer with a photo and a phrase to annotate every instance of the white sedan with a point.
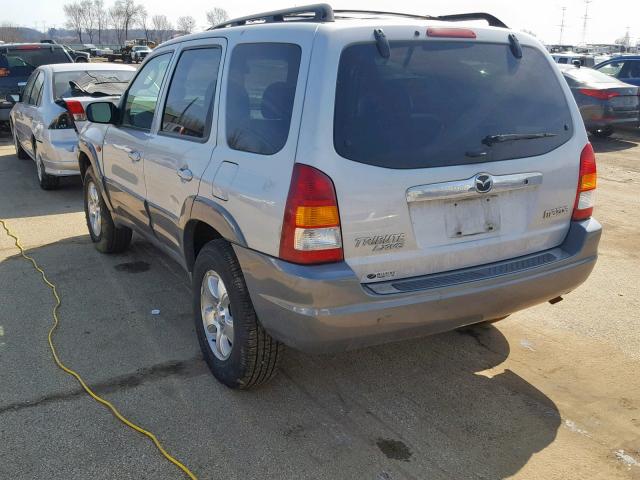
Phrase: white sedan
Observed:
(50, 111)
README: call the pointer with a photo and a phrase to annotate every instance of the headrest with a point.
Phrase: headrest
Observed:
(277, 101)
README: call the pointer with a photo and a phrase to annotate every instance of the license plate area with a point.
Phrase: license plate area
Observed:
(474, 216)
(626, 102)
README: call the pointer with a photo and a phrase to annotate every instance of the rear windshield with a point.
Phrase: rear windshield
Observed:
(21, 62)
(105, 82)
(434, 104)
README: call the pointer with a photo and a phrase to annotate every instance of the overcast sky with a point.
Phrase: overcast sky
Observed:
(609, 20)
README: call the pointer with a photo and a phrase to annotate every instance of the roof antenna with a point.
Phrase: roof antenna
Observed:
(382, 43)
(514, 45)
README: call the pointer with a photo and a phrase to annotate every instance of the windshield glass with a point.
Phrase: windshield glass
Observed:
(107, 82)
(21, 62)
(432, 103)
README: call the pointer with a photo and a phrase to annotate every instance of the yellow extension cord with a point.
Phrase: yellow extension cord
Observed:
(77, 376)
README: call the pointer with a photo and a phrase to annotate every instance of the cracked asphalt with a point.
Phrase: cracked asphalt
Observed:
(549, 393)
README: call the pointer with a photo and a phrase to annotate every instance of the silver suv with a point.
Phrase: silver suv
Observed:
(337, 179)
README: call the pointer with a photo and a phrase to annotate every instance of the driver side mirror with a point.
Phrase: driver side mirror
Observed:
(102, 112)
(14, 98)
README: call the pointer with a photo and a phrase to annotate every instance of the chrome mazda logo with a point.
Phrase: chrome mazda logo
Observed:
(483, 183)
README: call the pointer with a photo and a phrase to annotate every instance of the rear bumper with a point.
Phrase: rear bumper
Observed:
(325, 308)
(60, 157)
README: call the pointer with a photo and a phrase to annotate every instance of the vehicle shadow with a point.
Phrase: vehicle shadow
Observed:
(428, 398)
(438, 407)
(612, 144)
(20, 194)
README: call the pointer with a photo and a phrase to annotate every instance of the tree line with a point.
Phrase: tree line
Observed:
(92, 20)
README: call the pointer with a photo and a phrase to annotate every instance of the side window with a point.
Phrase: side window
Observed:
(260, 94)
(631, 69)
(28, 87)
(142, 96)
(612, 69)
(189, 104)
(35, 91)
(562, 60)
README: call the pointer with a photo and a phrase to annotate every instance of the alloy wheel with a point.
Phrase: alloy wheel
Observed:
(216, 315)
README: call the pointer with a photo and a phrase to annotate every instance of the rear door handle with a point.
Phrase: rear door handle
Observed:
(134, 156)
(185, 174)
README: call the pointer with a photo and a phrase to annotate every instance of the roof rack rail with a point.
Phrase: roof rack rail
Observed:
(319, 12)
(464, 17)
(393, 14)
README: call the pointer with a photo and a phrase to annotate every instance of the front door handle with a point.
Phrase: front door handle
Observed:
(185, 174)
(134, 156)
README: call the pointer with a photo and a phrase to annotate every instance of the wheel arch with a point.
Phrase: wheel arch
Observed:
(208, 221)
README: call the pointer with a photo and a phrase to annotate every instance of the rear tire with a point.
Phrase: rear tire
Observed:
(107, 237)
(238, 351)
(20, 152)
(46, 181)
(602, 132)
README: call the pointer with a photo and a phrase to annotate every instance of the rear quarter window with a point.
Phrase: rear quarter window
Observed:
(432, 103)
(260, 94)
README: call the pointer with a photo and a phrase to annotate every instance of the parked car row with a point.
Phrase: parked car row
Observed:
(50, 111)
(604, 101)
(346, 180)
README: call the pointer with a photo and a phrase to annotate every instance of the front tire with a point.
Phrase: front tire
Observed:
(238, 351)
(107, 237)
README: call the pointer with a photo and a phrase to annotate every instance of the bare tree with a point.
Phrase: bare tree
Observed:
(161, 27)
(130, 13)
(88, 18)
(116, 20)
(101, 17)
(186, 24)
(216, 16)
(75, 18)
(143, 21)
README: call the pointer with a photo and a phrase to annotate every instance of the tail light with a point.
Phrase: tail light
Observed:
(587, 180)
(4, 72)
(311, 227)
(599, 94)
(76, 109)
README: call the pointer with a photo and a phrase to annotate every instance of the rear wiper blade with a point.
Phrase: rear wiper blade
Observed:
(510, 137)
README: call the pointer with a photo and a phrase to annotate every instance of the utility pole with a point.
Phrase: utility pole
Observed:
(585, 18)
(564, 11)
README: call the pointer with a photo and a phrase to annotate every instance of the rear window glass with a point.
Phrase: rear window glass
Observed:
(107, 82)
(260, 94)
(433, 104)
(21, 62)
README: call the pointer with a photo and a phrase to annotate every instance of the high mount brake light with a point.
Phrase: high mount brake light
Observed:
(587, 182)
(311, 227)
(445, 32)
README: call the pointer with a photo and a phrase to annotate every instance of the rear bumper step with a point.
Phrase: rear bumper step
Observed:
(325, 308)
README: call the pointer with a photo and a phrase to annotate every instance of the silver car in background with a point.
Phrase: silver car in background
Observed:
(48, 114)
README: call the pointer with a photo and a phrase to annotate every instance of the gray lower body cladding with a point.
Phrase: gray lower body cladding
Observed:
(325, 308)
